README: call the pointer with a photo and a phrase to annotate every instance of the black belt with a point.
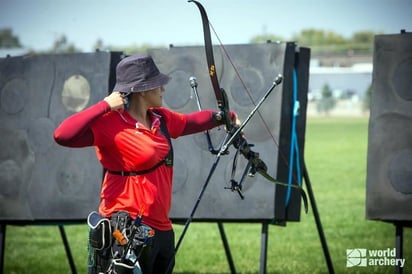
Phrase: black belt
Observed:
(125, 173)
(134, 173)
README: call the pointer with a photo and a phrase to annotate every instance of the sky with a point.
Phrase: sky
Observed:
(122, 23)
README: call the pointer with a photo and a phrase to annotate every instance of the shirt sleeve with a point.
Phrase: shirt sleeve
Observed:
(179, 124)
(200, 121)
(75, 130)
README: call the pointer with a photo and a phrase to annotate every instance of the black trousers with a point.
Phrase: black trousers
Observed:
(157, 257)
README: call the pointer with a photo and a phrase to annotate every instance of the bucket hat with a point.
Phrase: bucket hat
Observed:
(138, 73)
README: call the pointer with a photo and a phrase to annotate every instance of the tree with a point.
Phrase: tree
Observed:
(62, 45)
(314, 37)
(363, 37)
(98, 45)
(264, 38)
(131, 49)
(8, 39)
(327, 102)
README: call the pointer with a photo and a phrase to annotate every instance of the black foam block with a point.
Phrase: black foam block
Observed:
(389, 163)
(39, 179)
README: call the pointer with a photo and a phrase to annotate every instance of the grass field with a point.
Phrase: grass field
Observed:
(335, 152)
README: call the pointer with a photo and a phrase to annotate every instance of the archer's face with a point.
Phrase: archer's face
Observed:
(154, 97)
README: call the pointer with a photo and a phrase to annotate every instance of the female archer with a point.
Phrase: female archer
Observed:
(131, 133)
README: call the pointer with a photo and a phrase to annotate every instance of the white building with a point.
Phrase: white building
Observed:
(349, 81)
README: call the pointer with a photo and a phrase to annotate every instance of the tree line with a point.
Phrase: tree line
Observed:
(327, 42)
(320, 42)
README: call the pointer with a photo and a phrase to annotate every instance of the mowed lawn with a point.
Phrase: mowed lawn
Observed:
(335, 154)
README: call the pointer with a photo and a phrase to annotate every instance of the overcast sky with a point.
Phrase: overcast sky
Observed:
(38, 23)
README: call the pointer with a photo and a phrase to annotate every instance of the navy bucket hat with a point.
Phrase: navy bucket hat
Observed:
(138, 73)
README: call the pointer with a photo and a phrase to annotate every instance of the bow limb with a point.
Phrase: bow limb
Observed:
(220, 94)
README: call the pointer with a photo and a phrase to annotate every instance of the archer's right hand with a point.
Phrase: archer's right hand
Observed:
(116, 100)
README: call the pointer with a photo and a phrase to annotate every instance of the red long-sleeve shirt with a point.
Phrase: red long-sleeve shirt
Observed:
(123, 144)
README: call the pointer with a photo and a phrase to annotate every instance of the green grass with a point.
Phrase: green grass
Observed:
(335, 152)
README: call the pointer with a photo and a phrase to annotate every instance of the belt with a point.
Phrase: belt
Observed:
(138, 172)
(125, 173)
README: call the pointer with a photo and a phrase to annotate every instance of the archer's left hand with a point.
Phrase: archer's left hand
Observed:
(235, 119)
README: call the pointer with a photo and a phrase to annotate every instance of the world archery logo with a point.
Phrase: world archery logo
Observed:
(356, 257)
(373, 257)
